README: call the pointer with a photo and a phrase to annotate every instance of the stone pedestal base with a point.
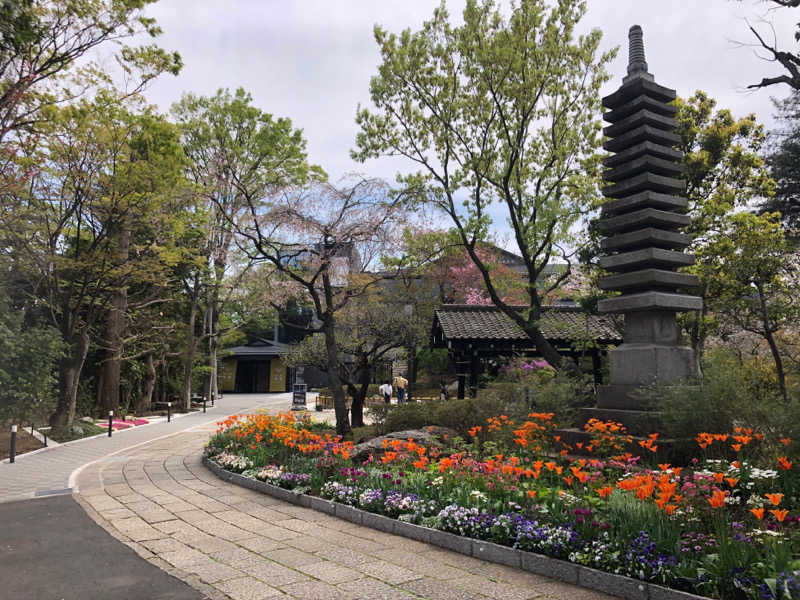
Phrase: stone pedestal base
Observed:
(641, 364)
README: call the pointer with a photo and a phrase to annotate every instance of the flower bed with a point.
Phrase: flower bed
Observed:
(725, 528)
(117, 424)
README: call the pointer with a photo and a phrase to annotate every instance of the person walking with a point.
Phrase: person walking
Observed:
(400, 383)
(386, 390)
(442, 389)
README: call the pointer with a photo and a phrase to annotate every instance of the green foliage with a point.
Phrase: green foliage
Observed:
(42, 41)
(724, 172)
(541, 390)
(784, 163)
(76, 431)
(28, 356)
(460, 415)
(500, 113)
(731, 393)
(434, 361)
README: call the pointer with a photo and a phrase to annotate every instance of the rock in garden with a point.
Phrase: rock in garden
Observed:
(422, 436)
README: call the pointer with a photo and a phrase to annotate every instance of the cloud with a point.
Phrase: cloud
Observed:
(312, 60)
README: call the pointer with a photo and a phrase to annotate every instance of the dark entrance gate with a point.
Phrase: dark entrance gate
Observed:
(252, 376)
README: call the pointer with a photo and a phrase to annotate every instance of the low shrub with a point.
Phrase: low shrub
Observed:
(460, 414)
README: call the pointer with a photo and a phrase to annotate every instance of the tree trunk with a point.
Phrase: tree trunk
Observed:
(145, 402)
(359, 396)
(211, 385)
(164, 379)
(109, 385)
(332, 356)
(773, 346)
(697, 336)
(191, 343)
(334, 381)
(776, 355)
(69, 374)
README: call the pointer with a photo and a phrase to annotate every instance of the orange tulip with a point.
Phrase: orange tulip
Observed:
(774, 498)
(568, 480)
(718, 477)
(779, 514)
(671, 508)
(784, 463)
(736, 447)
(663, 466)
(732, 481)
(717, 500)
(758, 513)
(605, 491)
(786, 441)
(531, 493)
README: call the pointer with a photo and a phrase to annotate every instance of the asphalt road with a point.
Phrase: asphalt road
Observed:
(51, 550)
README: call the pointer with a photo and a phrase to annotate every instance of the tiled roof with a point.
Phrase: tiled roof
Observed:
(470, 322)
(258, 348)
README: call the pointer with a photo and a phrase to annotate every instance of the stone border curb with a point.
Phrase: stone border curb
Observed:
(561, 570)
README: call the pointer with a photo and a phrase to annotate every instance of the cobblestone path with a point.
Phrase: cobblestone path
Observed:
(229, 542)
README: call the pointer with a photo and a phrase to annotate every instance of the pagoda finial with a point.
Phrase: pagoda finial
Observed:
(636, 61)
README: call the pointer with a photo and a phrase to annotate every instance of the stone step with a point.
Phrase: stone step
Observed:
(648, 278)
(665, 448)
(647, 199)
(647, 237)
(622, 397)
(638, 103)
(637, 422)
(645, 217)
(640, 117)
(642, 182)
(650, 300)
(645, 258)
(638, 87)
(643, 133)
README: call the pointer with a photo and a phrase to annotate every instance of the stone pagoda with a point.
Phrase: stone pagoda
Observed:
(643, 245)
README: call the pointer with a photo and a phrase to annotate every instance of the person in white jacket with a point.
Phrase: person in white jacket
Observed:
(386, 390)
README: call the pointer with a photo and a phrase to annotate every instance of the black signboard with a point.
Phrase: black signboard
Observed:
(299, 396)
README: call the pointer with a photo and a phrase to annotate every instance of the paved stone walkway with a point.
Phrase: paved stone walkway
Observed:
(229, 542)
(48, 471)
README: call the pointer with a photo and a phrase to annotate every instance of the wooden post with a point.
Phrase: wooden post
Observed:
(598, 376)
(474, 367)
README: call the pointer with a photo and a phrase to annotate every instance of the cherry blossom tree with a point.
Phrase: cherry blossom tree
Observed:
(325, 244)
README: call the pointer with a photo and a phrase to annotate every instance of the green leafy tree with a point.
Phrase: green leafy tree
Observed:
(784, 163)
(724, 172)
(28, 357)
(500, 115)
(42, 40)
(94, 222)
(750, 268)
(237, 154)
(368, 329)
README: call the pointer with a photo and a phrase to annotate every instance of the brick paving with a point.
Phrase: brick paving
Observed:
(230, 542)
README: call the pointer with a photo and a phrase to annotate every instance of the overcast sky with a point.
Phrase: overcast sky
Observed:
(311, 60)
